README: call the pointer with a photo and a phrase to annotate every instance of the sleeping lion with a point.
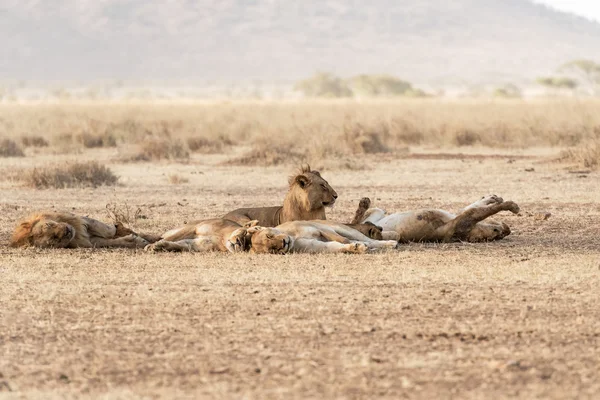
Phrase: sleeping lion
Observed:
(66, 230)
(439, 225)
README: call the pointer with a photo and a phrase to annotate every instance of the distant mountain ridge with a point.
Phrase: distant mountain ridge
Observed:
(426, 41)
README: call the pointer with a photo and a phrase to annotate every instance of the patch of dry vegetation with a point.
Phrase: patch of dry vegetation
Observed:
(9, 148)
(281, 132)
(157, 149)
(76, 175)
(34, 141)
(586, 155)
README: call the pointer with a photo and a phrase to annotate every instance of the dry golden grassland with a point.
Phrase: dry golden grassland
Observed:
(515, 318)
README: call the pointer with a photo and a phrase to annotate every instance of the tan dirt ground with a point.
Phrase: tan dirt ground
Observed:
(517, 318)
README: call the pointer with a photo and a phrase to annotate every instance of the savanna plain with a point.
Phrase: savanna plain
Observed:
(517, 318)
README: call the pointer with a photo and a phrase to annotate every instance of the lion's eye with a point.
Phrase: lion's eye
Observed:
(269, 236)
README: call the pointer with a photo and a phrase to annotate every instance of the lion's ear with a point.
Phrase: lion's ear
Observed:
(250, 224)
(302, 181)
(22, 235)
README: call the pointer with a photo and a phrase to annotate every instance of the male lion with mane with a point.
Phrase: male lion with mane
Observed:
(66, 230)
(306, 199)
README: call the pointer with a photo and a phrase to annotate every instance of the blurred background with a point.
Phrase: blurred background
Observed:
(276, 49)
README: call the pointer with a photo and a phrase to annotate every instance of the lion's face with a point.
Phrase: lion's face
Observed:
(269, 240)
(48, 233)
(314, 191)
(482, 232)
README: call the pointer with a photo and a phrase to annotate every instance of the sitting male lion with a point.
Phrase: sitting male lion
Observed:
(312, 237)
(306, 199)
(66, 230)
(440, 225)
(209, 235)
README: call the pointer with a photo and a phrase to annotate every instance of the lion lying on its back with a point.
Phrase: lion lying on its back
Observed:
(66, 230)
(440, 225)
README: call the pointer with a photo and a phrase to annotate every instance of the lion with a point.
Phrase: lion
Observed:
(67, 230)
(312, 237)
(306, 199)
(439, 225)
(201, 236)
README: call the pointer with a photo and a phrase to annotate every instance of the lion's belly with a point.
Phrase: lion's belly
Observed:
(415, 225)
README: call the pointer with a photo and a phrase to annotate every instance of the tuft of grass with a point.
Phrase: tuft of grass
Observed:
(76, 175)
(161, 149)
(34, 141)
(587, 154)
(9, 148)
(175, 179)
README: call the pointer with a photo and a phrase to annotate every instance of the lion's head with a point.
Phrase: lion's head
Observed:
(268, 240)
(483, 232)
(42, 232)
(309, 192)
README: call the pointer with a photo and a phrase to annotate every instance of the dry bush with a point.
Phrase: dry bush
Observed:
(587, 154)
(124, 214)
(34, 141)
(154, 150)
(361, 140)
(90, 140)
(208, 146)
(76, 175)
(175, 179)
(9, 148)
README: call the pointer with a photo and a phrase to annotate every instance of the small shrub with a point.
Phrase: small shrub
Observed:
(365, 141)
(324, 84)
(89, 140)
(587, 154)
(34, 141)
(77, 175)
(466, 137)
(155, 150)
(208, 146)
(175, 179)
(9, 148)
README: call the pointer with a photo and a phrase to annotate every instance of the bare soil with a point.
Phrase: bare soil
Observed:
(516, 318)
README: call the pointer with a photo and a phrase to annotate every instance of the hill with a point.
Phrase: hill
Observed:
(426, 41)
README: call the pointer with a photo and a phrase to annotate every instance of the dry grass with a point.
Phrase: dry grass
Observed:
(88, 174)
(518, 318)
(90, 140)
(208, 146)
(586, 154)
(9, 148)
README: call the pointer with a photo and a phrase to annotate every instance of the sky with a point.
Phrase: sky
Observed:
(586, 8)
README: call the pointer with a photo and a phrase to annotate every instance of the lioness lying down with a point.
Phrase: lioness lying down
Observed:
(440, 225)
(295, 236)
(66, 230)
(312, 237)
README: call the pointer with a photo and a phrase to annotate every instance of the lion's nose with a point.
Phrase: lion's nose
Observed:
(335, 195)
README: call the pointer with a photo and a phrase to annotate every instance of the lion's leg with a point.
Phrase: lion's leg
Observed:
(484, 201)
(129, 241)
(199, 244)
(99, 229)
(363, 206)
(316, 246)
(334, 237)
(390, 235)
(460, 227)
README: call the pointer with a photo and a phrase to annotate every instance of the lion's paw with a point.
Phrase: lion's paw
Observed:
(157, 246)
(512, 207)
(491, 199)
(364, 203)
(237, 240)
(357, 248)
